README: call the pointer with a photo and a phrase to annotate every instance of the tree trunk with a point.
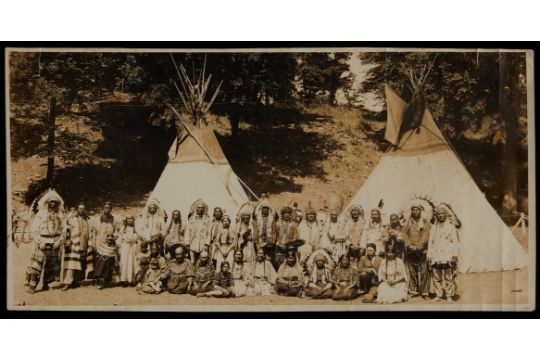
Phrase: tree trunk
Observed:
(509, 100)
(235, 125)
(51, 142)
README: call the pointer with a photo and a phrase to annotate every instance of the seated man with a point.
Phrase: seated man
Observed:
(290, 277)
(179, 273)
(319, 284)
(264, 276)
(345, 280)
(204, 274)
(106, 262)
(368, 268)
(223, 283)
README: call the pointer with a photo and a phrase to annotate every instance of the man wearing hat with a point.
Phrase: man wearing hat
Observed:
(319, 284)
(287, 231)
(331, 237)
(179, 272)
(151, 224)
(47, 231)
(353, 228)
(415, 237)
(244, 232)
(197, 236)
(264, 222)
(309, 231)
(442, 255)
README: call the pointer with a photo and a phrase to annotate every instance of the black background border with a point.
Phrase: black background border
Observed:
(5, 313)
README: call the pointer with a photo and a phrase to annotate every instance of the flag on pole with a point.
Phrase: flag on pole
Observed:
(395, 107)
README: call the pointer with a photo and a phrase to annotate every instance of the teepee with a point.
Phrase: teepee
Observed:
(197, 167)
(420, 162)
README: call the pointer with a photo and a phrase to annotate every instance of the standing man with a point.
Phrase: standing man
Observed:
(264, 222)
(395, 230)
(309, 231)
(287, 231)
(244, 233)
(75, 247)
(197, 236)
(174, 231)
(442, 255)
(151, 224)
(374, 232)
(104, 225)
(215, 229)
(415, 237)
(331, 238)
(47, 231)
(353, 228)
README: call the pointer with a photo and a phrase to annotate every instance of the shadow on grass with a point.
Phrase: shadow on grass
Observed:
(274, 148)
(128, 163)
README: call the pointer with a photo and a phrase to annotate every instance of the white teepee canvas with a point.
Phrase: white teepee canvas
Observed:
(198, 169)
(423, 164)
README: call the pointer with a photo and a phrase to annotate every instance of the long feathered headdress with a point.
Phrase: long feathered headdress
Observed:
(160, 211)
(454, 219)
(422, 202)
(50, 195)
(245, 209)
(195, 205)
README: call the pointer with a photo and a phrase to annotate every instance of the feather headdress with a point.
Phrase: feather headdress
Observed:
(425, 205)
(195, 205)
(50, 195)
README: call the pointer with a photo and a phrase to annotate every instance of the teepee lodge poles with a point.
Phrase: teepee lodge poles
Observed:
(414, 113)
(193, 93)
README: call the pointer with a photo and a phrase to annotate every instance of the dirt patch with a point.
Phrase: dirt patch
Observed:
(507, 287)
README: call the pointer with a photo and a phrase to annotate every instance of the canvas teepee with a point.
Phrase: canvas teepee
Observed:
(421, 162)
(197, 167)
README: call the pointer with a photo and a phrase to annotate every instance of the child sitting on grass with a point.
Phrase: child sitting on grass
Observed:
(152, 280)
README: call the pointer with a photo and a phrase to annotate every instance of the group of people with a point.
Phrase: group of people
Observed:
(337, 255)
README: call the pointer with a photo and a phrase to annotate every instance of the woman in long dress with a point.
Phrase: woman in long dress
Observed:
(225, 243)
(129, 240)
(392, 277)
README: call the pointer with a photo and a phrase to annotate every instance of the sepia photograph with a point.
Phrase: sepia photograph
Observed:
(270, 179)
